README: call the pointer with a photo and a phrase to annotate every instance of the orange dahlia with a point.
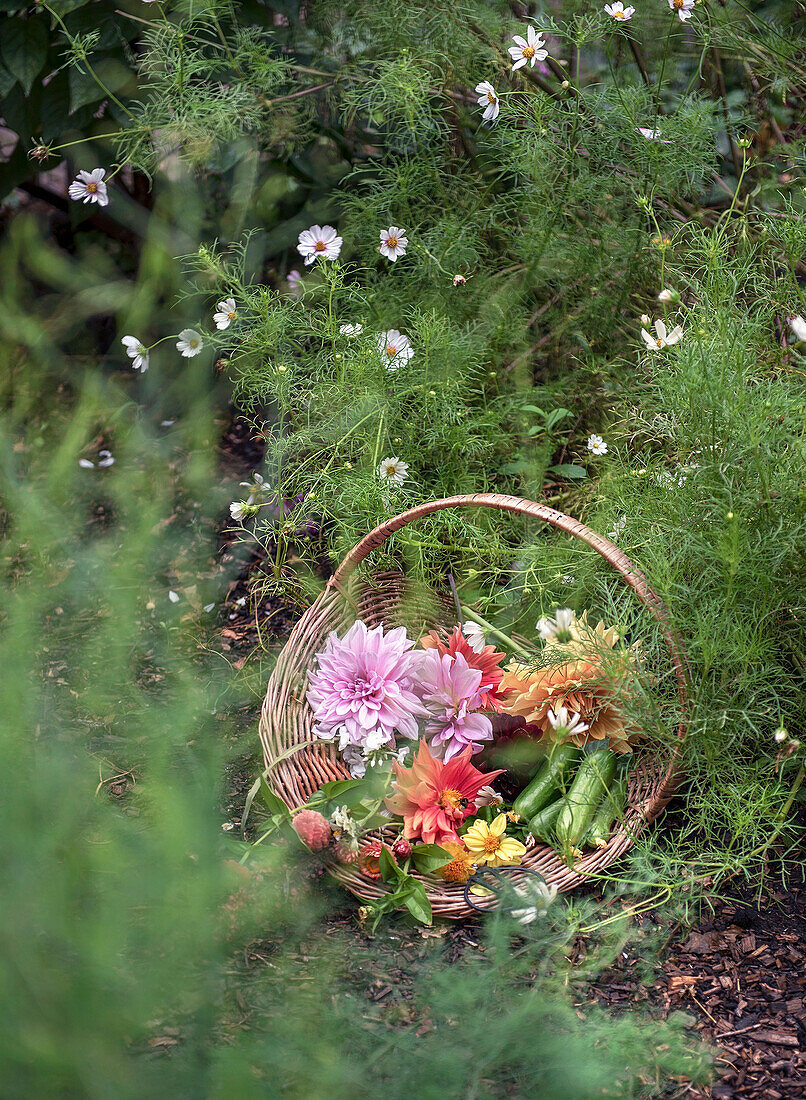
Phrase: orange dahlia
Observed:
(486, 661)
(433, 797)
(586, 678)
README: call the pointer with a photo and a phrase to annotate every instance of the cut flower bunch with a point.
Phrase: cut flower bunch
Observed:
(412, 720)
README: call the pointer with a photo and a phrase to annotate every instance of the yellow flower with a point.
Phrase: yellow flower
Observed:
(461, 866)
(489, 844)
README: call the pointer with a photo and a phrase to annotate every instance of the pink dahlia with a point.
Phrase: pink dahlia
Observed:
(451, 690)
(485, 658)
(365, 688)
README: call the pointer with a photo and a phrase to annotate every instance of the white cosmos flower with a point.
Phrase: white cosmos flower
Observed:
(488, 99)
(559, 627)
(798, 326)
(242, 509)
(668, 295)
(189, 343)
(320, 242)
(562, 720)
(351, 330)
(395, 349)
(596, 445)
(225, 313)
(618, 529)
(89, 187)
(475, 636)
(393, 470)
(652, 135)
(137, 352)
(684, 8)
(536, 898)
(294, 280)
(393, 242)
(618, 11)
(662, 339)
(527, 50)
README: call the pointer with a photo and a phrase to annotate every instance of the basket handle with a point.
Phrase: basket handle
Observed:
(608, 550)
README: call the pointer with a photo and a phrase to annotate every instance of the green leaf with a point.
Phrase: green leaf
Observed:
(417, 903)
(271, 801)
(24, 48)
(336, 787)
(428, 857)
(390, 872)
(568, 469)
(555, 416)
(532, 409)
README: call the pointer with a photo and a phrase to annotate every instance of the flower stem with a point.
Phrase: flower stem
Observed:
(468, 613)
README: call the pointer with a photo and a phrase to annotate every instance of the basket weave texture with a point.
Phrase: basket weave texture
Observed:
(298, 764)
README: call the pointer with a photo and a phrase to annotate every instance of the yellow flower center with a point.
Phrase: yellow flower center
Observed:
(659, 342)
(451, 799)
(391, 351)
(320, 246)
(528, 52)
(679, 4)
(491, 98)
(391, 242)
(391, 470)
(231, 315)
(92, 188)
(618, 14)
(492, 843)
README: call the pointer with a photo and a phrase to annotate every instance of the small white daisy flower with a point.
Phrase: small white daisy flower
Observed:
(488, 797)
(393, 242)
(684, 9)
(239, 510)
(105, 458)
(662, 339)
(596, 445)
(89, 187)
(618, 11)
(393, 470)
(189, 343)
(225, 313)
(780, 736)
(668, 295)
(137, 352)
(527, 50)
(559, 627)
(351, 330)
(488, 99)
(320, 242)
(294, 280)
(475, 636)
(618, 529)
(565, 722)
(798, 326)
(395, 348)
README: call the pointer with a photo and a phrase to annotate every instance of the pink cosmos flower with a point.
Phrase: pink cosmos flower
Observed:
(450, 689)
(364, 689)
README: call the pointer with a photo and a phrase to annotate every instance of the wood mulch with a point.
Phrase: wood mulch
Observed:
(739, 972)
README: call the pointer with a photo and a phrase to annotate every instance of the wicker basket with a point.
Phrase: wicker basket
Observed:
(297, 764)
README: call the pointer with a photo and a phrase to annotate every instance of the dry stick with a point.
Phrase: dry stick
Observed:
(716, 61)
(755, 84)
(296, 95)
(639, 61)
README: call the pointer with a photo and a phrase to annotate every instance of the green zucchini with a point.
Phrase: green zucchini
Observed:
(541, 826)
(610, 809)
(591, 782)
(547, 782)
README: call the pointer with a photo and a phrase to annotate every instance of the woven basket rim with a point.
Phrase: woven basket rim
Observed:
(296, 762)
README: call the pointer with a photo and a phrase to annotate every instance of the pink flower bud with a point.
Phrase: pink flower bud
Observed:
(402, 848)
(313, 829)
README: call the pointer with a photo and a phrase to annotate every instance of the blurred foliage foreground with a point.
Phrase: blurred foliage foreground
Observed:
(138, 957)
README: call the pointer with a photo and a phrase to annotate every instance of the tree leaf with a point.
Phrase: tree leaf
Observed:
(271, 801)
(24, 48)
(428, 857)
(569, 469)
